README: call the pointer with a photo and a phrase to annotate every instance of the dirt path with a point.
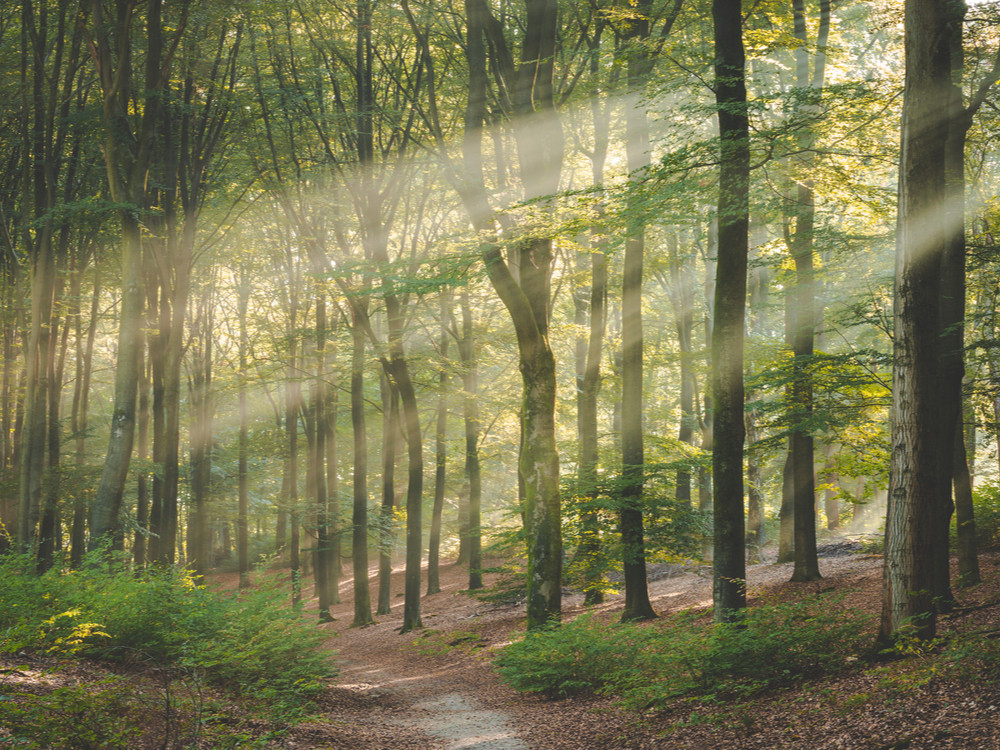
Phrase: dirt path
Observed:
(435, 689)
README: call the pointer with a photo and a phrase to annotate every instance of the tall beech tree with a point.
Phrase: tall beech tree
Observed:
(639, 66)
(914, 507)
(808, 86)
(729, 561)
(526, 292)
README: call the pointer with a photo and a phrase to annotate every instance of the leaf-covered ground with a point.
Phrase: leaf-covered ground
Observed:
(436, 688)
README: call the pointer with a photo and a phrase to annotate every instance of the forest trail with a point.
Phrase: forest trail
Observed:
(434, 689)
(432, 716)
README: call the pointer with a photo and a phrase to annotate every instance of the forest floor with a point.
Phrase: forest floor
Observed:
(435, 688)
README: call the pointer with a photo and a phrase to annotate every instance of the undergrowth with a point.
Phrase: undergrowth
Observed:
(649, 665)
(250, 642)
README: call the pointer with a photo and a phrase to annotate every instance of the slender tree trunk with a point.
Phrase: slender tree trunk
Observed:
(242, 467)
(637, 604)
(140, 548)
(390, 445)
(362, 599)
(470, 413)
(440, 450)
(81, 403)
(804, 331)
(965, 521)
(755, 500)
(318, 463)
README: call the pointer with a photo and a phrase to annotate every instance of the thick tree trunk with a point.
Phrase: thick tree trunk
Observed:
(526, 294)
(914, 492)
(729, 583)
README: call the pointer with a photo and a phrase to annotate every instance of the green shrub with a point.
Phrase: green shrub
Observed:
(250, 639)
(89, 717)
(578, 657)
(986, 511)
(650, 665)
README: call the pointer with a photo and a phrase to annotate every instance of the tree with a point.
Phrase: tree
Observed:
(526, 296)
(729, 568)
(804, 331)
(921, 242)
(640, 63)
(128, 150)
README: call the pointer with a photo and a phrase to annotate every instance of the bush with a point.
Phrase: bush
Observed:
(72, 718)
(986, 510)
(650, 665)
(252, 639)
(578, 657)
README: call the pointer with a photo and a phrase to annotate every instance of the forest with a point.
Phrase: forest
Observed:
(313, 310)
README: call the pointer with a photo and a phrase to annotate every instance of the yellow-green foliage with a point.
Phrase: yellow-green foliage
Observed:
(253, 641)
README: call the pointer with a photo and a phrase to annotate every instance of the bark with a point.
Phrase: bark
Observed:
(318, 463)
(242, 468)
(637, 604)
(755, 500)
(470, 415)
(682, 299)
(127, 157)
(390, 445)
(915, 470)
(440, 450)
(362, 599)
(333, 492)
(804, 331)
(729, 582)
(526, 295)
(202, 400)
(965, 522)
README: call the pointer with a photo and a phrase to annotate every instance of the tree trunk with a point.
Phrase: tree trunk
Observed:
(362, 599)
(202, 399)
(470, 414)
(390, 445)
(80, 417)
(729, 584)
(127, 165)
(318, 462)
(440, 450)
(804, 330)
(965, 521)
(914, 492)
(242, 468)
(637, 604)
